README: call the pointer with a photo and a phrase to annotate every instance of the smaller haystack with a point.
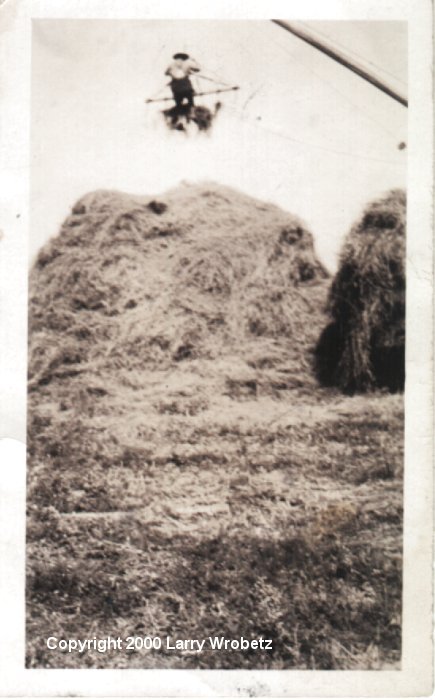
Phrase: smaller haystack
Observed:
(364, 345)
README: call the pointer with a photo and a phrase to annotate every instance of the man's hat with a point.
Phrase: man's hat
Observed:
(183, 56)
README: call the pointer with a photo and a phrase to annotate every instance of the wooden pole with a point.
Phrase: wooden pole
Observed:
(197, 94)
(341, 58)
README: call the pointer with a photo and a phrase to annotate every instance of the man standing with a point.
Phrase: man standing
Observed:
(179, 71)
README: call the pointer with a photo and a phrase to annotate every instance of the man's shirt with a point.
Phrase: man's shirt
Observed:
(180, 68)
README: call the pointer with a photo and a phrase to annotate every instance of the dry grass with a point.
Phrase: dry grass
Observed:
(364, 346)
(207, 272)
(186, 475)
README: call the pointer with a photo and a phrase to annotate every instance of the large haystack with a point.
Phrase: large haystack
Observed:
(204, 273)
(364, 346)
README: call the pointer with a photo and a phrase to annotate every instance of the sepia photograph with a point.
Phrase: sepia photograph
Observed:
(217, 344)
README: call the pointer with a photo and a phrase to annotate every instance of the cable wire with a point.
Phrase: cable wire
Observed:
(282, 135)
(358, 108)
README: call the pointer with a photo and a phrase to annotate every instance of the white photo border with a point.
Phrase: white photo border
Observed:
(415, 676)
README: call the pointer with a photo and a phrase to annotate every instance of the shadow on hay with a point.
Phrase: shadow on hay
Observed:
(363, 347)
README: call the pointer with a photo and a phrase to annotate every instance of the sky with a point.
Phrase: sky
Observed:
(301, 131)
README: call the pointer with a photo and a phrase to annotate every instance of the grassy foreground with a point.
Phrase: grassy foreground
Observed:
(272, 518)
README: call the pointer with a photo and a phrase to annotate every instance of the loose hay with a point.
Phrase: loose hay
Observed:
(207, 268)
(364, 346)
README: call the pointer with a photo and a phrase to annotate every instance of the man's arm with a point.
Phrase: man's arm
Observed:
(194, 66)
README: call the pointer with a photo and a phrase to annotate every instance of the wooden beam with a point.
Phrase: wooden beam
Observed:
(196, 94)
(341, 58)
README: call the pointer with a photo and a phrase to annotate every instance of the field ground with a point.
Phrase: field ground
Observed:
(182, 510)
(187, 476)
